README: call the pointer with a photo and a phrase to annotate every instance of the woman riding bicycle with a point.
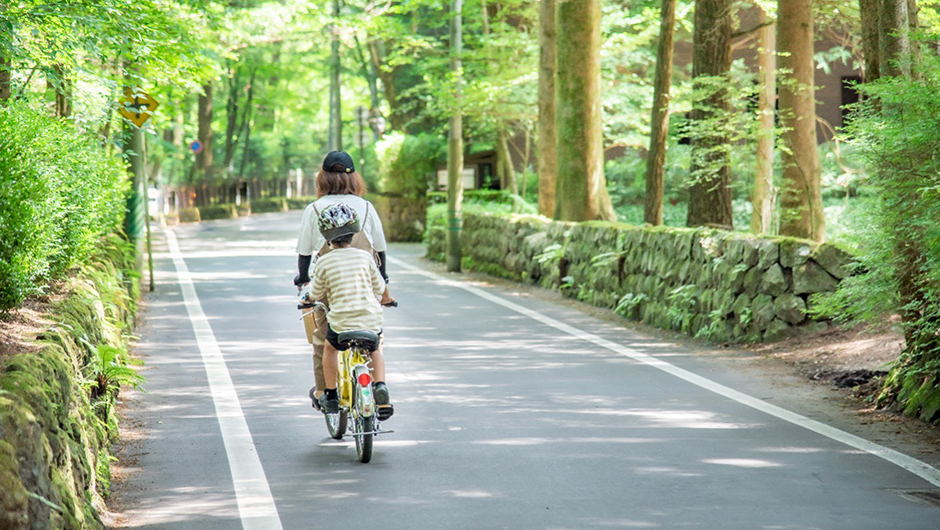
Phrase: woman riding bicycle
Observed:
(337, 182)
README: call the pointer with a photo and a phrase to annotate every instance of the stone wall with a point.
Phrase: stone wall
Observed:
(402, 217)
(55, 427)
(708, 283)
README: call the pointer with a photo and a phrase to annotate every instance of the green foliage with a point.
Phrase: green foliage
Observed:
(896, 132)
(408, 163)
(270, 204)
(208, 212)
(59, 194)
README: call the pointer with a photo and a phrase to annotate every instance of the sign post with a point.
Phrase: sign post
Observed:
(137, 107)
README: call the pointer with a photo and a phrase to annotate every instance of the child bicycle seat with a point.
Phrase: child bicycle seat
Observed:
(367, 340)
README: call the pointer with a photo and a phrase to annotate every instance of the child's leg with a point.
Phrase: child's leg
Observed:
(378, 365)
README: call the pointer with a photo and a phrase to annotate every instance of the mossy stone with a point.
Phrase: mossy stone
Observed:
(794, 252)
(762, 310)
(790, 308)
(810, 277)
(14, 497)
(777, 330)
(752, 279)
(774, 282)
(834, 260)
(741, 305)
(768, 253)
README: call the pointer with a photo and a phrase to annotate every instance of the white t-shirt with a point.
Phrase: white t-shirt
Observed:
(311, 240)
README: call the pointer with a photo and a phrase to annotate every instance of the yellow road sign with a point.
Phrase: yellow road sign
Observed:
(137, 106)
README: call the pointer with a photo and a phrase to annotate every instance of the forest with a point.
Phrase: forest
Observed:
(814, 120)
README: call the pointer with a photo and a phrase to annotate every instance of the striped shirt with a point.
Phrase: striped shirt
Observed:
(350, 281)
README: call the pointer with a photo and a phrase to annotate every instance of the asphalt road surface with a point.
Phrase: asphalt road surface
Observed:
(511, 412)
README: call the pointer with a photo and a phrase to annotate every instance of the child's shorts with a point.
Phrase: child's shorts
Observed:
(333, 338)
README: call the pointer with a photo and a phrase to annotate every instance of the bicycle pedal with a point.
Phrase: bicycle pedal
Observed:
(385, 412)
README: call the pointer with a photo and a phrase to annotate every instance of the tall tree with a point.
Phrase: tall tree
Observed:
(336, 115)
(801, 212)
(204, 157)
(762, 200)
(659, 123)
(871, 48)
(5, 78)
(710, 193)
(507, 175)
(546, 141)
(580, 187)
(455, 143)
(63, 91)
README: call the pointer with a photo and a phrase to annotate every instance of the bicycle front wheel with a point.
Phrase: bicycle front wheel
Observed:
(364, 441)
(336, 424)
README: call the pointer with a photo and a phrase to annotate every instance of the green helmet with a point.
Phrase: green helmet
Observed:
(338, 220)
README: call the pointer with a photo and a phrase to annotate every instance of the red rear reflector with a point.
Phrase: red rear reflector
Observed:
(364, 379)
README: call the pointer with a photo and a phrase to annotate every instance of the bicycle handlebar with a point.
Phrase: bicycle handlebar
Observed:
(314, 305)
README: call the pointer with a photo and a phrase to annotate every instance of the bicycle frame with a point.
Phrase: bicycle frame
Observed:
(354, 397)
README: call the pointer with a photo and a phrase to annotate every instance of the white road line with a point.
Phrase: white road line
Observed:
(255, 503)
(917, 467)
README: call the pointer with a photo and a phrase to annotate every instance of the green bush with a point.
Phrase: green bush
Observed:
(208, 212)
(408, 164)
(271, 204)
(59, 194)
(299, 203)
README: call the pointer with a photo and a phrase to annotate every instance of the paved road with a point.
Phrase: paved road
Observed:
(502, 420)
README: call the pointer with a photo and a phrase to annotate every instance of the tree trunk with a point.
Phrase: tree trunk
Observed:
(231, 111)
(245, 151)
(871, 49)
(580, 164)
(5, 77)
(508, 174)
(893, 38)
(369, 74)
(762, 200)
(801, 212)
(204, 157)
(546, 141)
(710, 193)
(336, 110)
(659, 126)
(455, 145)
(396, 118)
(63, 92)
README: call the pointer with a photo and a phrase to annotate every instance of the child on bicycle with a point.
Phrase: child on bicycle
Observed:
(350, 279)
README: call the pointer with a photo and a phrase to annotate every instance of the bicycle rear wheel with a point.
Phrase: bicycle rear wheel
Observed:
(336, 424)
(364, 441)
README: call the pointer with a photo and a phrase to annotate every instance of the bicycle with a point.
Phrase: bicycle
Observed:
(357, 408)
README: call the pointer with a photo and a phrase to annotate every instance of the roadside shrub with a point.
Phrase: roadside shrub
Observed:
(208, 212)
(299, 203)
(59, 194)
(408, 164)
(271, 204)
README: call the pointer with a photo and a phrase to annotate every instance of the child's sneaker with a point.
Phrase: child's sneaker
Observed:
(385, 409)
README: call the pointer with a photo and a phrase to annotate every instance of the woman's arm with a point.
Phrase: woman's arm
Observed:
(382, 266)
(303, 268)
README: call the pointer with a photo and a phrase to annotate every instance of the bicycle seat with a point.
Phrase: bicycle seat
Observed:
(368, 340)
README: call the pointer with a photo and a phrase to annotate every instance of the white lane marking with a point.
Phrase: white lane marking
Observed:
(252, 493)
(917, 467)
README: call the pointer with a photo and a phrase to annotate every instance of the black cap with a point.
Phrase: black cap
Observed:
(338, 157)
